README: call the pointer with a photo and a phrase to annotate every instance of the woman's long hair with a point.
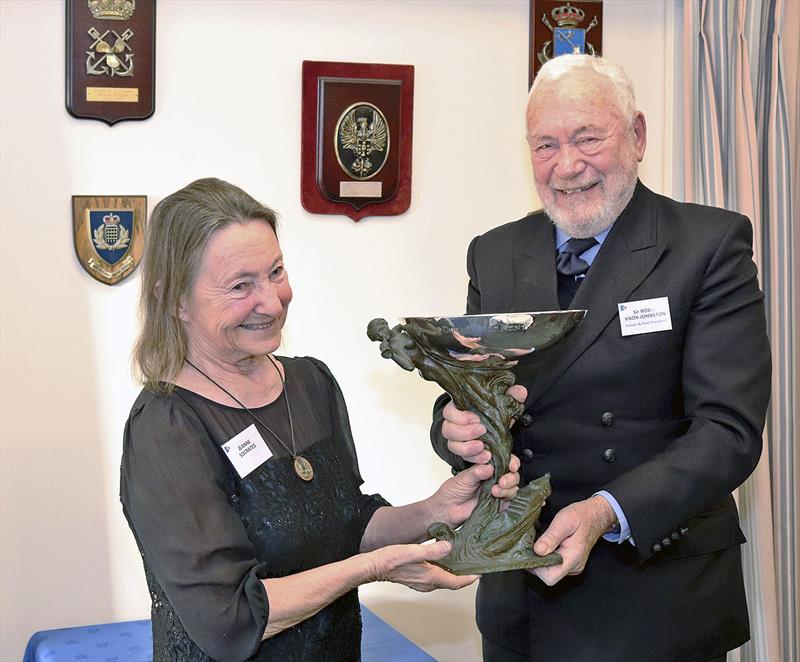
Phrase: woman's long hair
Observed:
(179, 229)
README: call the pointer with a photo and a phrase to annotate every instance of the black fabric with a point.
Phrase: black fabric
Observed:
(571, 268)
(494, 652)
(208, 537)
(567, 289)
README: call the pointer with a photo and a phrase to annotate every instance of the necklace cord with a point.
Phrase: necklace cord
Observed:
(293, 450)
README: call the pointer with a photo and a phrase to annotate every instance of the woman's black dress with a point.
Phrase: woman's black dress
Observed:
(207, 536)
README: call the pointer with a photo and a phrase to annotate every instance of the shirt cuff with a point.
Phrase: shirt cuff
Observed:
(624, 532)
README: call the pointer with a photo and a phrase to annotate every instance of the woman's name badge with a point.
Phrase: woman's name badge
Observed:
(247, 451)
(645, 316)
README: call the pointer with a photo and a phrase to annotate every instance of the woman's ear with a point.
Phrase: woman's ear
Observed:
(183, 310)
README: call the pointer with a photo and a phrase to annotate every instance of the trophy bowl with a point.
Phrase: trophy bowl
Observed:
(471, 357)
(511, 336)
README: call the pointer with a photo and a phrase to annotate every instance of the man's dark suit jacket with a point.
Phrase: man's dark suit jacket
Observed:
(668, 422)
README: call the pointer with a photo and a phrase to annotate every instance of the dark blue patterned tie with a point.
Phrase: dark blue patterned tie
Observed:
(569, 266)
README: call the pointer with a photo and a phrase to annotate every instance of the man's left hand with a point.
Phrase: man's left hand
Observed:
(573, 533)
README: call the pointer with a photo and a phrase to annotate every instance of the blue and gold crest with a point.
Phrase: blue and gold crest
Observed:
(568, 37)
(567, 41)
(109, 235)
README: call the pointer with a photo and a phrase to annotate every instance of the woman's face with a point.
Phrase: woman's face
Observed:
(237, 305)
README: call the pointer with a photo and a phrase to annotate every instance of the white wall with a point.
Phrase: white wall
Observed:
(228, 104)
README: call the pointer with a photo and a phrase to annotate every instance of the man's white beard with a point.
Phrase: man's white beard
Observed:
(604, 218)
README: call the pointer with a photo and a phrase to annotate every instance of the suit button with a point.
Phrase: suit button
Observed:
(683, 531)
(527, 455)
(675, 535)
(656, 548)
(607, 419)
(666, 542)
(526, 420)
(610, 455)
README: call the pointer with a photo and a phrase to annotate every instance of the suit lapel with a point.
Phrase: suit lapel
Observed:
(629, 254)
(535, 285)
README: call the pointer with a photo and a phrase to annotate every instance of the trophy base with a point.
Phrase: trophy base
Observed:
(486, 566)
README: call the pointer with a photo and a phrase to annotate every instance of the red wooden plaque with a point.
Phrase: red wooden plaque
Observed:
(356, 138)
(557, 28)
(111, 59)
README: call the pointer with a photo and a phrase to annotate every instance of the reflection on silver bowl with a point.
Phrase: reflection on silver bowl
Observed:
(510, 336)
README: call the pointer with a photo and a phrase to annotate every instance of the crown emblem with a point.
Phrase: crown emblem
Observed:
(111, 219)
(568, 16)
(117, 10)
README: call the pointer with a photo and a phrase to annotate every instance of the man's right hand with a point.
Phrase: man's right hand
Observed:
(462, 430)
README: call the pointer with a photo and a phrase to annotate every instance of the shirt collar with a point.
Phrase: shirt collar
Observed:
(562, 237)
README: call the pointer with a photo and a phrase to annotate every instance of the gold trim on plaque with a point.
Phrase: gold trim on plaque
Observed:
(115, 10)
(362, 137)
(360, 189)
(113, 94)
(110, 251)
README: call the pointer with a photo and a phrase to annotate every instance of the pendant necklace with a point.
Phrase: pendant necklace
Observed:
(302, 467)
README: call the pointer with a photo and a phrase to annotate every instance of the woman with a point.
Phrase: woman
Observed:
(239, 477)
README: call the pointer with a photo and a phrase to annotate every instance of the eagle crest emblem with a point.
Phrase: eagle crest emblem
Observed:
(362, 140)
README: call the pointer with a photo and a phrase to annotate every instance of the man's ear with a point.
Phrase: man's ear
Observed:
(639, 134)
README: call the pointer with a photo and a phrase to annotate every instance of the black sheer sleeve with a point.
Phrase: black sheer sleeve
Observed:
(194, 542)
(346, 449)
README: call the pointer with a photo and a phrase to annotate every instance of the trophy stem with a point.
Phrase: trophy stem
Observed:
(492, 539)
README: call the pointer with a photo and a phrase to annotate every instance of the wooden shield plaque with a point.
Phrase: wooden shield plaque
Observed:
(557, 28)
(111, 58)
(356, 138)
(108, 233)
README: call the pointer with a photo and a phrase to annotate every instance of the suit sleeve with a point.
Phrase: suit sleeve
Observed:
(726, 373)
(473, 308)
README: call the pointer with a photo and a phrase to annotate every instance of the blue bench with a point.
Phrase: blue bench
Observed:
(132, 641)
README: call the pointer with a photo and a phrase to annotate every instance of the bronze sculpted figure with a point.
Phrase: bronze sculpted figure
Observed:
(470, 357)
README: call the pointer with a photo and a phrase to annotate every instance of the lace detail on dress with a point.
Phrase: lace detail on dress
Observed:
(294, 526)
(171, 643)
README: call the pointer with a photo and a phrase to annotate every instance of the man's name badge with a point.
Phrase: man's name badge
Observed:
(247, 451)
(645, 316)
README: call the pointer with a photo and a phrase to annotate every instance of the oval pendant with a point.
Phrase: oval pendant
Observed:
(303, 468)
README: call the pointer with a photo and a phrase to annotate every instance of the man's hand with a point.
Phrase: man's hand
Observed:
(462, 430)
(573, 533)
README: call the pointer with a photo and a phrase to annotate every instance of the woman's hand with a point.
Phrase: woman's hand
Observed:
(455, 500)
(410, 565)
(294, 598)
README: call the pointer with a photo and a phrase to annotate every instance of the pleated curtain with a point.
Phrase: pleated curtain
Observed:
(736, 146)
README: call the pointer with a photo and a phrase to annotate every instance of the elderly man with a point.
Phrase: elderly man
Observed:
(650, 416)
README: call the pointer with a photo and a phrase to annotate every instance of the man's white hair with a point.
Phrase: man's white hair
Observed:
(564, 65)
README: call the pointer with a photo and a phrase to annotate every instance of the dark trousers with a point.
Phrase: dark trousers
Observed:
(493, 652)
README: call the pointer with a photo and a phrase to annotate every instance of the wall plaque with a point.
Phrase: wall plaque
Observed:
(108, 232)
(356, 138)
(111, 57)
(557, 28)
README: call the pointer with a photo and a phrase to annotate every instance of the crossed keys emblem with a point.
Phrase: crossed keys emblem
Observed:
(105, 59)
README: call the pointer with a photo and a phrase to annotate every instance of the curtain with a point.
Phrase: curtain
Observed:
(736, 125)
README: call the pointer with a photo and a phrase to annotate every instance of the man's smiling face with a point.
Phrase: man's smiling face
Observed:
(585, 154)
